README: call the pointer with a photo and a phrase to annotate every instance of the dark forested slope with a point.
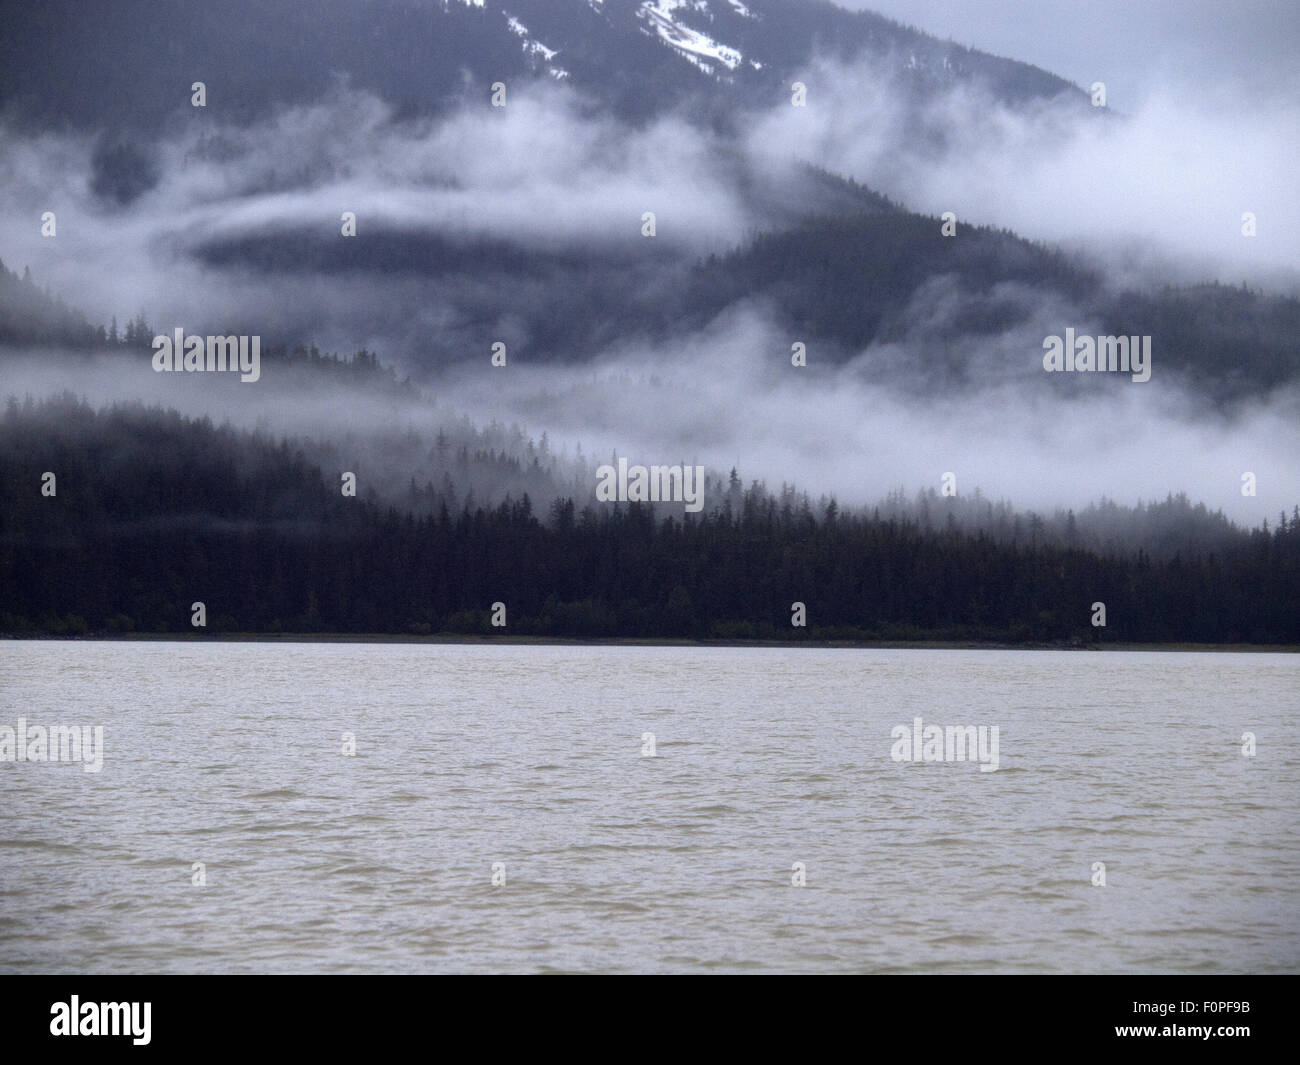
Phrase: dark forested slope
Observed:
(153, 513)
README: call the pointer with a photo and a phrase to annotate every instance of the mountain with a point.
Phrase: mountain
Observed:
(130, 64)
(526, 228)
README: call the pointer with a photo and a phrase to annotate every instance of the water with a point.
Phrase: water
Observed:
(469, 755)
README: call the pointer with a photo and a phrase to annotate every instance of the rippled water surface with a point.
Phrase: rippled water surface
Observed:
(230, 754)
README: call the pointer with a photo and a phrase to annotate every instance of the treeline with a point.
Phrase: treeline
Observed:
(32, 315)
(857, 279)
(260, 535)
(1246, 342)
(869, 274)
(1162, 528)
(852, 278)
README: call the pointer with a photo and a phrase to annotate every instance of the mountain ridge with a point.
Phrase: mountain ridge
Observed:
(640, 57)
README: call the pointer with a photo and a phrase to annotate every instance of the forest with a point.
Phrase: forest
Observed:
(152, 512)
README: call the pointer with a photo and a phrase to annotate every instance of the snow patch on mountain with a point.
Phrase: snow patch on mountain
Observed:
(695, 46)
(696, 61)
(531, 46)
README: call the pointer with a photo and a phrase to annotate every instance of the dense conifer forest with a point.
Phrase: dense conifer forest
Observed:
(154, 512)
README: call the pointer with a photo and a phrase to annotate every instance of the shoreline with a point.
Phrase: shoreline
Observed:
(636, 641)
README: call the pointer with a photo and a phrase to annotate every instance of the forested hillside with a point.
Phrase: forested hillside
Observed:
(154, 512)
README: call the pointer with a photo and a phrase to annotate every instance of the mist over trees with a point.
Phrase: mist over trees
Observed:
(154, 512)
(847, 281)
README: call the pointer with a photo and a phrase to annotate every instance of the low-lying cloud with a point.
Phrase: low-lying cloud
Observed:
(1166, 185)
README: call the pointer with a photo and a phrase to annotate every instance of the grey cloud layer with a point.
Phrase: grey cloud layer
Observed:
(1169, 182)
(542, 172)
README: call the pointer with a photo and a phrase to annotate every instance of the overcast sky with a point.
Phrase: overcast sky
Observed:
(1221, 47)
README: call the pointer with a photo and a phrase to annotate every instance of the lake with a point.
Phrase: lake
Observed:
(502, 810)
